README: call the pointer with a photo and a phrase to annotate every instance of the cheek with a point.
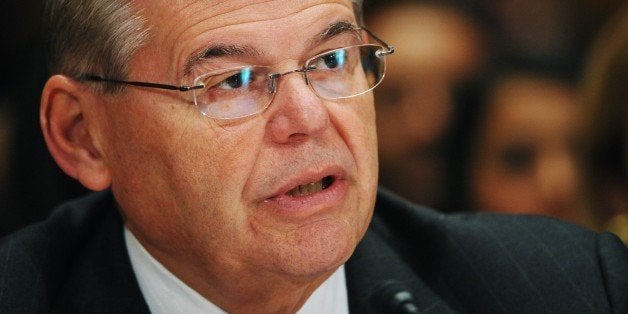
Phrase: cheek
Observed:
(355, 122)
(180, 172)
(211, 166)
(495, 190)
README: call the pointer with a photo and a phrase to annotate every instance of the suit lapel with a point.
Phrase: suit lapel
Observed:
(372, 266)
(103, 280)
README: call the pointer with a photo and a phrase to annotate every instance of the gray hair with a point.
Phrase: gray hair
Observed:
(93, 36)
(358, 10)
(100, 37)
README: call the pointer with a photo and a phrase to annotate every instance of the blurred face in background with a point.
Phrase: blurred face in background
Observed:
(437, 48)
(525, 154)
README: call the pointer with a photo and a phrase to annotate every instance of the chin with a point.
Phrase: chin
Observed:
(318, 251)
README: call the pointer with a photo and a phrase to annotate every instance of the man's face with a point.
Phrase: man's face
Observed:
(198, 192)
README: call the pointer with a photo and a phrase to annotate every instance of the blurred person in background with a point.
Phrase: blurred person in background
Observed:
(520, 147)
(605, 97)
(439, 48)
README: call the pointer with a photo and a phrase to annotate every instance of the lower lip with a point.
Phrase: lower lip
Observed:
(303, 206)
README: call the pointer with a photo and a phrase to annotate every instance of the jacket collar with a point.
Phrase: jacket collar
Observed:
(376, 273)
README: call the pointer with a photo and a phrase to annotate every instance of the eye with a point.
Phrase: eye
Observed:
(518, 158)
(237, 80)
(332, 60)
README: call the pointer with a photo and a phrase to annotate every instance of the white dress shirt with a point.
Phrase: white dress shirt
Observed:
(165, 293)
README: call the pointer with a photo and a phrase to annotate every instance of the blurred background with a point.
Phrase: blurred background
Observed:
(488, 105)
(30, 182)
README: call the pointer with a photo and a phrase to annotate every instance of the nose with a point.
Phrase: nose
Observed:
(296, 113)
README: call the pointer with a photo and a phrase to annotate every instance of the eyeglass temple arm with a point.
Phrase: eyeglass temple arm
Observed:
(96, 78)
(389, 49)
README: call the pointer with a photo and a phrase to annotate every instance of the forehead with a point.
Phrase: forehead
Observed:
(218, 12)
(179, 28)
(536, 109)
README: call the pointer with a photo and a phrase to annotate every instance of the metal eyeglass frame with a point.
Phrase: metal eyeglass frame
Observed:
(185, 88)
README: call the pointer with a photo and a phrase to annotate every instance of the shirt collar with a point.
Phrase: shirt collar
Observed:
(165, 293)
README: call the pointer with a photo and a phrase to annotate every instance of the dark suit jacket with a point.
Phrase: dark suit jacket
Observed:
(76, 261)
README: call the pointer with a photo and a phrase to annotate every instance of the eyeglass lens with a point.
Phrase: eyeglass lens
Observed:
(244, 91)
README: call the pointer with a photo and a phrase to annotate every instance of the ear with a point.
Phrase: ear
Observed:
(62, 116)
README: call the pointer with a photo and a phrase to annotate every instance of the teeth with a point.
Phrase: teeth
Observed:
(311, 188)
(306, 189)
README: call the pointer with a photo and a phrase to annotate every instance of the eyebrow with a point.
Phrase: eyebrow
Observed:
(221, 50)
(337, 28)
(216, 51)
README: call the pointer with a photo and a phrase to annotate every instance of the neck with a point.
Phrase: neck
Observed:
(255, 293)
(240, 287)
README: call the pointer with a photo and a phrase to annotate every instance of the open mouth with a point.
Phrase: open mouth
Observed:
(311, 188)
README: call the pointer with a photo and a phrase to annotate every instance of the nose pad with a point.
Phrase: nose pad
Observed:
(272, 82)
(273, 78)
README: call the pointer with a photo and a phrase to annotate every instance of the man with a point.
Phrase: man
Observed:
(247, 185)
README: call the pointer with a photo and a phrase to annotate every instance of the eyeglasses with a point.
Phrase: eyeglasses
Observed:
(248, 90)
